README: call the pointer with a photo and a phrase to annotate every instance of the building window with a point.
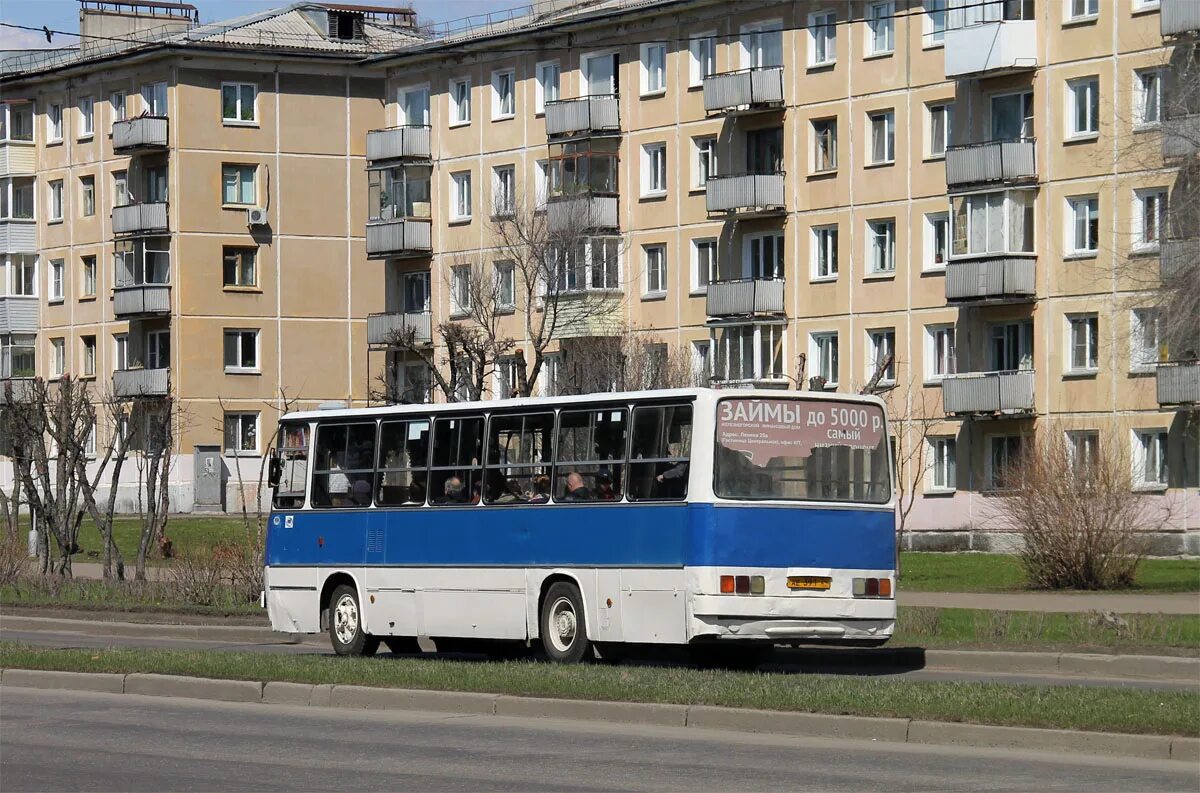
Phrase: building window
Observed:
(654, 169)
(541, 185)
(1004, 454)
(154, 99)
(706, 158)
(1150, 459)
(1147, 97)
(506, 286)
(825, 144)
(825, 251)
(239, 267)
(940, 117)
(120, 351)
(460, 289)
(56, 200)
(993, 223)
(881, 245)
(117, 100)
(1082, 9)
(88, 355)
(241, 350)
(883, 137)
(747, 353)
(54, 122)
(1143, 342)
(656, 269)
(546, 88)
(937, 240)
(702, 361)
(120, 183)
(58, 357)
(460, 101)
(590, 264)
(824, 353)
(1083, 112)
(881, 347)
(654, 68)
(935, 22)
(1149, 218)
(414, 106)
(942, 475)
(238, 103)
(56, 280)
(504, 185)
(241, 433)
(87, 285)
(550, 383)
(87, 117)
(704, 264)
(1083, 450)
(87, 196)
(503, 101)
(1083, 229)
(881, 35)
(1083, 338)
(460, 195)
(939, 352)
(237, 183)
(822, 38)
(702, 60)
(508, 378)
(24, 276)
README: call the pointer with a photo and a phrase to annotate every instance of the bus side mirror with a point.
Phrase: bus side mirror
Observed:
(274, 472)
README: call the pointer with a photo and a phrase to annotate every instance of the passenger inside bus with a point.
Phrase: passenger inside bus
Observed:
(576, 489)
(454, 490)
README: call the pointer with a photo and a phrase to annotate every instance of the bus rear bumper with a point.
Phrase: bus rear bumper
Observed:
(782, 631)
(792, 619)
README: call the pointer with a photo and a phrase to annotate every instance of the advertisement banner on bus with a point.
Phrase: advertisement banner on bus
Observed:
(764, 429)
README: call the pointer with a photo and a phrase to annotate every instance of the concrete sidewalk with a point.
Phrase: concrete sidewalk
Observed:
(1120, 603)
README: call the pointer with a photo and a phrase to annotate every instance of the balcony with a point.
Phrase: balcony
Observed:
(133, 383)
(988, 393)
(991, 48)
(1181, 137)
(383, 330)
(18, 314)
(143, 132)
(985, 279)
(20, 388)
(1179, 383)
(140, 218)
(744, 297)
(398, 143)
(991, 161)
(399, 237)
(587, 212)
(141, 300)
(1178, 16)
(17, 158)
(18, 236)
(753, 192)
(1176, 256)
(755, 90)
(587, 115)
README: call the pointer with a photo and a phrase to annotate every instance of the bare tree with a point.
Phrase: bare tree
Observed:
(629, 360)
(10, 503)
(120, 436)
(153, 418)
(913, 422)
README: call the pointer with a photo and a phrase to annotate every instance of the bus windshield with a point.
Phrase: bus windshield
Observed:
(801, 450)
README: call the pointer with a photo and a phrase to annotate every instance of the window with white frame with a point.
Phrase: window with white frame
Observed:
(937, 240)
(411, 382)
(16, 122)
(58, 357)
(706, 158)
(1147, 97)
(87, 355)
(56, 200)
(1143, 339)
(158, 349)
(654, 68)
(938, 117)
(881, 36)
(503, 98)
(460, 101)
(241, 350)
(825, 251)
(120, 182)
(154, 99)
(1082, 9)
(654, 169)
(823, 353)
(591, 264)
(238, 184)
(701, 361)
(546, 86)
(881, 245)
(763, 256)
(822, 38)
(824, 144)
(460, 195)
(89, 443)
(87, 196)
(541, 186)
(762, 45)
(460, 289)
(57, 278)
(1083, 343)
(87, 285)
(506, 286)
(1150, 459)
(702, 58)
(238, 104)
(239, 267)
(117, 100)
(413, 104)
(550, 382)
(746, 353)
(54, 123)
(1003, 454)
(241, 433)
(22, 275)
(504, 189)
(883, 137)
(939, 352)
(1083, 450)
(704, 263)
(120, 351)
(941, 474)
(1083, 107)
(1083, 225)
(508, 378)
(881, 348)
(996, 222)
(1149, 218)
(87, 117)
(656, 269)
(935, 22)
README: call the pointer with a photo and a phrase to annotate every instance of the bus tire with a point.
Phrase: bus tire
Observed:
(563, 625)
(345, 624)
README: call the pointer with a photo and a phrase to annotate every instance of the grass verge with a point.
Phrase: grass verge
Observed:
(1059, 707)
(81, 594)
(924, 571)
(199, 534)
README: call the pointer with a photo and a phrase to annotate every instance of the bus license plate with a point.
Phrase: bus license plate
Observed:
(809, 582)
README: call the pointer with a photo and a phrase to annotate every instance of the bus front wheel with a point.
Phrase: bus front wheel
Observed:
(563, 628)
(345, 624)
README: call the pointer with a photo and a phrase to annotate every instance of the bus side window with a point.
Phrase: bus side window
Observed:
(659, 453)
(344, 465)
(456, 474)
(591, 443)
(403, 471)
(518, 464)
(292, 454)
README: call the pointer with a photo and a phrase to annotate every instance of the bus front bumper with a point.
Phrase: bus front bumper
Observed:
(792, 618)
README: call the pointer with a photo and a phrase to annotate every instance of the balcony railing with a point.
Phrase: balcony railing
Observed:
(18, 314)
(582, 213)
(1178, 16)
(991, 161)
(17, 159)
(981, 279)
(1181, 136)
(1179, 383)
(744, 296)
(21, 389)
(398, 143)
(18, 236)
(399, 237)
(756, 89)
(385, 329)
(991, 48)
(131, 383)
(590, 115)
(988, 392)
(140, 218)
(134, 300)
(143, 132)
(1175, 256)
(753, 191)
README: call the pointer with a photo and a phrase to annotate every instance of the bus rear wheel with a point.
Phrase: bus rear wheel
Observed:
(345, 624)
(563, 628)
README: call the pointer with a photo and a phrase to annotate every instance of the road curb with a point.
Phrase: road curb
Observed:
(815, 725)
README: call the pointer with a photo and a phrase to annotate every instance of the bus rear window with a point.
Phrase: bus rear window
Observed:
(801, 450)
(292, 453)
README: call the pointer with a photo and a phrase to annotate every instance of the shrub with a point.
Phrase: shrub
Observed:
(198, 577)
(14, 557)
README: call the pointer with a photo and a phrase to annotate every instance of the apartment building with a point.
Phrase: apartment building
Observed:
(183, 212)
(971, 193)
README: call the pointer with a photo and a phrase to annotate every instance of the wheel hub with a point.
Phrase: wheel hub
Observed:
(345, 620)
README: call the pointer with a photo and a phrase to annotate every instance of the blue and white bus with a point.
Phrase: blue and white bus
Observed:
(681, 517)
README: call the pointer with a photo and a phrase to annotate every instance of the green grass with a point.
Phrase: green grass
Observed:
(993, 572)
(121, 596)
(185, 532)
(1123, 710)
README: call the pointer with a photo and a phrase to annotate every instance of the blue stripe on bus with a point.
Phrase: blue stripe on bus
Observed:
(635, 535)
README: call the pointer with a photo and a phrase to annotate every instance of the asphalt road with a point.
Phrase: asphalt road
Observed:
(56, 740)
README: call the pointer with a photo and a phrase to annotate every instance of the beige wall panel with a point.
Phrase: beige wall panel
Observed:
(200, 289)
(321, 102)
(366, 296)
(1070, 41)
(200, 370)
(309, 263)
(368, 111)
(199, 124)
(197, 204)
(297, 179)
(316, 359)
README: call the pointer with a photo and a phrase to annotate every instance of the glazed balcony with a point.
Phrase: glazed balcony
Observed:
(18, 314)
(1179, 383)
(585, 212)
(1175, 256)
(140, 218)
(990, 48)
(988, 393)
(587, 115)
(399, 237)
(141, 300)
(133, 383)
(409, 142)
(383, 330)
(141, 133)
(991, 161)
(744, 297)
(758, 89)
(990, 278)
(1178, 16)
(1181, 136)
(17, 158)
(752, 192)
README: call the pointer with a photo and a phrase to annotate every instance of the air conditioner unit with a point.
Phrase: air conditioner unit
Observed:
(256, 216)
